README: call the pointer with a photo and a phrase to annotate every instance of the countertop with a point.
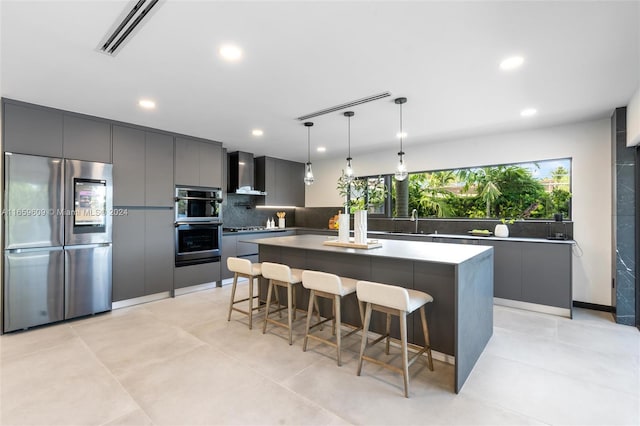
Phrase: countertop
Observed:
(423, 251)
(519, 239)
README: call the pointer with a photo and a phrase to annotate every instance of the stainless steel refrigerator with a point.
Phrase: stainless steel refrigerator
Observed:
(57, 245)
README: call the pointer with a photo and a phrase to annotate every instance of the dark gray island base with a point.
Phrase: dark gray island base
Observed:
(460, 279)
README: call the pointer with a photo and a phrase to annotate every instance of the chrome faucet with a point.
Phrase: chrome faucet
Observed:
(414, 218)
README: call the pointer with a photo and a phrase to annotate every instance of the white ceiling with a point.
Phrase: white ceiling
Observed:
(582, 59)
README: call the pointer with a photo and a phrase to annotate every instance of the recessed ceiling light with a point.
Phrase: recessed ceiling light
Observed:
(321, 149)
(403, 135)
(257, 132)
(529, 112)
(511, 63)
(147, 104)
(230, 52)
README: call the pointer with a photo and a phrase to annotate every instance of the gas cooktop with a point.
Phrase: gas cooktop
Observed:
(244, 228)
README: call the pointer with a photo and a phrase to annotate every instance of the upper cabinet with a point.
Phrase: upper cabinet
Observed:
(32, 130)
(282, 180)
(86, 139)
(36, 130)
(198, 163)
(142, 167)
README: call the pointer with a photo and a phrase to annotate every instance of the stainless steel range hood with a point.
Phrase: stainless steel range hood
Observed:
(241, 174)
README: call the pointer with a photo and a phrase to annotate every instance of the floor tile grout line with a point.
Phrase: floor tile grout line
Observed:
(565, 375)
(113, 376)
(25, 354)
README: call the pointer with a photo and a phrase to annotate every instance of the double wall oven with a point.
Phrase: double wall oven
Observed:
(198, 237)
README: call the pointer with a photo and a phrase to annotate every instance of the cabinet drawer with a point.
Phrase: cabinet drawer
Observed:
(245, 249)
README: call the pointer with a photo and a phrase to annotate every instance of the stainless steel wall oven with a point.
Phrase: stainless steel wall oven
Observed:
(198, 204)
(197, 242)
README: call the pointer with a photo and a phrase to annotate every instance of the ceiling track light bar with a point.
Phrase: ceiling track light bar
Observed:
(345, 105)
(110, 46)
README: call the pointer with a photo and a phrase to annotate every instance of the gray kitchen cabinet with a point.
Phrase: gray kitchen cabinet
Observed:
(187, 276)
(532, 272)
(158, 251)
(142, 168)
(507, 258)
(198, 163)
(187, 162)
(282, 180)
(32, 130)
(86, 139)
(128, 256)
(158, 170)
(211, 165)
(546, 274)
(128, 166)
(228, 250)
(143, 253)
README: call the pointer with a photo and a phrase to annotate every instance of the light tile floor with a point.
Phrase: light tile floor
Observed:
(179, 362)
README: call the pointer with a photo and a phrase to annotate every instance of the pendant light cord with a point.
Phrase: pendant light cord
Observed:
(401, 130)
(349, 138)
(309, 144)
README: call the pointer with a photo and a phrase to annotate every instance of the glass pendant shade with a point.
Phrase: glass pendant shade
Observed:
(348, 171)
(308, 175)
(401, 169)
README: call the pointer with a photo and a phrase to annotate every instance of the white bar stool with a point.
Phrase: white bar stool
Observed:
(281, 276)
(243, 268)
(333, 287)
(399, 301)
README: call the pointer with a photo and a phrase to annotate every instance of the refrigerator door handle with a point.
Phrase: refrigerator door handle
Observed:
(33, 249)
(86, 246)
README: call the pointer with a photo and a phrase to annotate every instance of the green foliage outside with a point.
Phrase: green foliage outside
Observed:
(362, 193)
(506, 191)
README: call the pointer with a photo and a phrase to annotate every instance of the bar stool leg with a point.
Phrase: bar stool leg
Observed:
(338, 322)
(290, 311)
(365, 329)
(333, 320)
(388, 331)
(250, 303)
(425, 332)
(405, 361)
(312, 297)
(266, 314)
(233, 294)
(317, 310)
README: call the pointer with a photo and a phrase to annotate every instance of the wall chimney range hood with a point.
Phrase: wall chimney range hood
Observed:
(241, 174)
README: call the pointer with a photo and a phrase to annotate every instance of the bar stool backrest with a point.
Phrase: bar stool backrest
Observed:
(276, 271)
(242, 266)
(322, 281)
(390, 296)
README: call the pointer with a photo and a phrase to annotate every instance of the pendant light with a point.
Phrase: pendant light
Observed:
(308, 173)
(401, 169)
(348, 171)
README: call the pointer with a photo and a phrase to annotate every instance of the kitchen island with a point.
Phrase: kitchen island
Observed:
(459, 277)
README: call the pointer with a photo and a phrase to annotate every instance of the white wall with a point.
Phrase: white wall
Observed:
(587, 143)
(633, 120)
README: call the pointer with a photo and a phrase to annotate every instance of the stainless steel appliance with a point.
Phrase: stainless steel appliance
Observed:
(240, 174)
(57, 246)
(197, 242)
(198, 204)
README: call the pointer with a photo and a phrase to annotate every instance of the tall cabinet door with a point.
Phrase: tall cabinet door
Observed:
(128, 166)
(159, 251)
(33, 287)
(128, 255)
(158, 170)
(33, 201)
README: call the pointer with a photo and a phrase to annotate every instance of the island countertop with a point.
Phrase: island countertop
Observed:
(449, 254)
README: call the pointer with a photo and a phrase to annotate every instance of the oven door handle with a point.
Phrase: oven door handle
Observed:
(196, 223)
